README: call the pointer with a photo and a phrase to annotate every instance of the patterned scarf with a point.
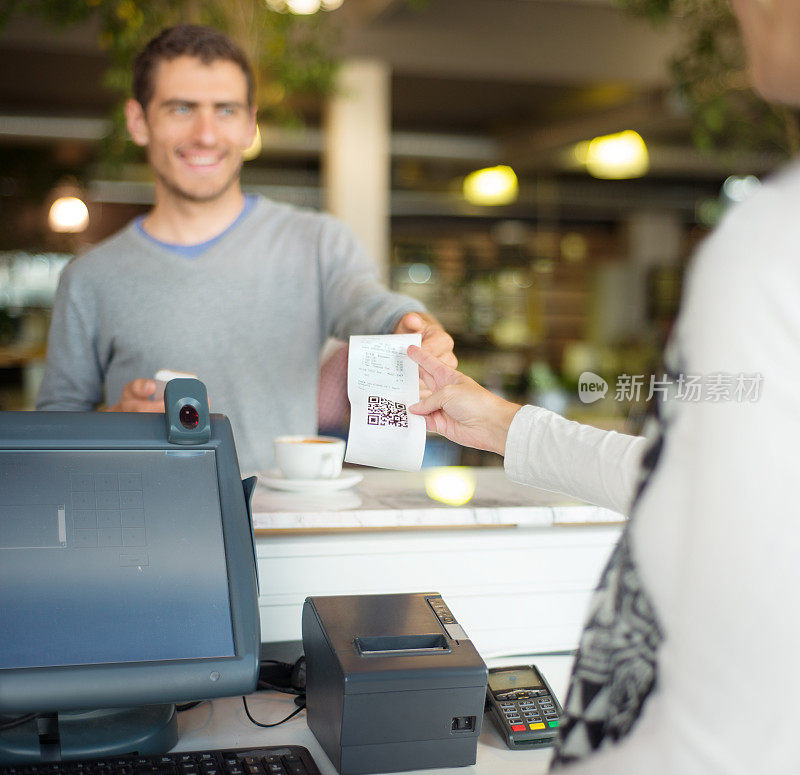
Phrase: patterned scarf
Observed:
(616, 665)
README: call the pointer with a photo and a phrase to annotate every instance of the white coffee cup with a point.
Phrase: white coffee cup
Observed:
(309, 457)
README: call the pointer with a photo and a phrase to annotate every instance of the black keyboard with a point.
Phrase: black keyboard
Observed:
(265, 760)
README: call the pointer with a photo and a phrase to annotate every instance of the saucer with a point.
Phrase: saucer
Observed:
(277, 481)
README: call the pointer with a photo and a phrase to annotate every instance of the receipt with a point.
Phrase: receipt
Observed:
(382, 382)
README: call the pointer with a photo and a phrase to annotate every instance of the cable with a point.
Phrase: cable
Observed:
(285, 679)
(274, 688)
(18, 721)
(259, 724)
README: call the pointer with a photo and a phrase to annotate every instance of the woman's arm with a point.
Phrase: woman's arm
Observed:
(540, 447)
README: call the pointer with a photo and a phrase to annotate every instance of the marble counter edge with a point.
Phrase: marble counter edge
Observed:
(370, 519)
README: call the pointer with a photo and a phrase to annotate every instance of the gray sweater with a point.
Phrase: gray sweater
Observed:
(248, 316)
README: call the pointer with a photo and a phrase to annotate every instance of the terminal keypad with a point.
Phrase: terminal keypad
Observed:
(530, 709)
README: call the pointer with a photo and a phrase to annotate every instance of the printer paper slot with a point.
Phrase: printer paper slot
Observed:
(401, 645)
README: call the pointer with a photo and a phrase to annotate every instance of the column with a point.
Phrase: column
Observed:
(356, 163)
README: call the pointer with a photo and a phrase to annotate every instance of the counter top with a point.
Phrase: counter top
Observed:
(222, 724)
(398, 500)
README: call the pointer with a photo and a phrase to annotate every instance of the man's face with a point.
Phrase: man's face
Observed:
(195, 127)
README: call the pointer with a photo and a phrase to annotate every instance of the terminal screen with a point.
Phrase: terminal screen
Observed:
(111, 556)
(524, 678)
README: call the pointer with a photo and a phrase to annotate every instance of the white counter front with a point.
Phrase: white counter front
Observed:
(516, 566)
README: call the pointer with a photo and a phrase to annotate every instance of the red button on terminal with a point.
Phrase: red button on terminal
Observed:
(518, 728)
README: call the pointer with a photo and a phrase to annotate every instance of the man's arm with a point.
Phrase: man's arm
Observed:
(353, 299)
(73, 378)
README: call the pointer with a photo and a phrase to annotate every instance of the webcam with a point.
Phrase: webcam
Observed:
(186, 412)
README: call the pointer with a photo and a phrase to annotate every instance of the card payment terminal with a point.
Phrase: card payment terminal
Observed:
(522, 706)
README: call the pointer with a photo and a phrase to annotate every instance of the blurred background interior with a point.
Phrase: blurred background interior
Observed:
(566, 256)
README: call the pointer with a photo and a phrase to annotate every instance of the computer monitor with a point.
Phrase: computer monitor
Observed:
(128, 578)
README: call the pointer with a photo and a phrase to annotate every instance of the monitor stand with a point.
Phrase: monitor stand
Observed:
(50, 737)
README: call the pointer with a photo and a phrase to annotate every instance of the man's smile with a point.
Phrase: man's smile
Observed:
(201, 159)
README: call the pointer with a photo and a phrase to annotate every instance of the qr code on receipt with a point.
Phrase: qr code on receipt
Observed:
(382, 411)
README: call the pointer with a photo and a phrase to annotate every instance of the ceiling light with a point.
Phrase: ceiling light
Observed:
(581, 151)
(521, 279)
(253, 151)
(737, 188)
(419, 273)
(614, 157)
(491, 186)
(68, 214)
(331, 5)
(303, 6)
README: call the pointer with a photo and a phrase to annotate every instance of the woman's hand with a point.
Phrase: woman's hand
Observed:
(459, 408)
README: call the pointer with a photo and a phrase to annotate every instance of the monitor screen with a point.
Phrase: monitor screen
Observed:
(111, 556)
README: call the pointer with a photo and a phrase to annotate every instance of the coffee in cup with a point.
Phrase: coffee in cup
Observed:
(309, 457)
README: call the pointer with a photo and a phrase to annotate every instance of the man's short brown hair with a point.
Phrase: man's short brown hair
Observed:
(207, 44)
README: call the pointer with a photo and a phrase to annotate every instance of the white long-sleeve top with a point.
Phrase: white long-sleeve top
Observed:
(559, 455)
(689, 663)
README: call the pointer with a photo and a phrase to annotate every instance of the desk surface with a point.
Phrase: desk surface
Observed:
(392, 499)
(223, 724)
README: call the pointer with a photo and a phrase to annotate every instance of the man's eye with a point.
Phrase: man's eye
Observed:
(225, 112)
(181, 110)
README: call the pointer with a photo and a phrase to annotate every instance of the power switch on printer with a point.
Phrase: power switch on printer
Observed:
(463, 724)
(448, 621)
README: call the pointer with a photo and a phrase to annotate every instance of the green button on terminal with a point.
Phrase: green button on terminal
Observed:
(553, 723)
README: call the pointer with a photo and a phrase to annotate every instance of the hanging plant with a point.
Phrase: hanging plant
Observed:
(710, 74)
(292, 55)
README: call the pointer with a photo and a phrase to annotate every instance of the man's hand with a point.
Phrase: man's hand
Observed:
(459, 408)
(435, 340)
(137, 397)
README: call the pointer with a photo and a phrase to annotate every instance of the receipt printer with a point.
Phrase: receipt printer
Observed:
(393, 683)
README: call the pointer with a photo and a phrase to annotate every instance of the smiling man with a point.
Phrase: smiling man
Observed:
(238, 289)
(194, 115)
